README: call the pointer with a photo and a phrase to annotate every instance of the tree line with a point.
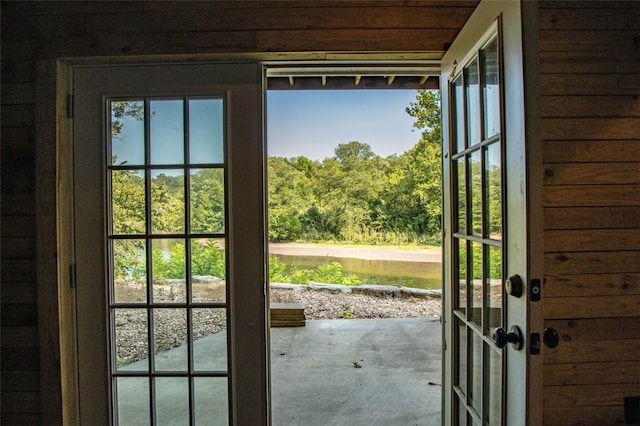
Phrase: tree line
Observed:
(356, 196)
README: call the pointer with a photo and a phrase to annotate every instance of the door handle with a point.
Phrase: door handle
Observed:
(514, 336)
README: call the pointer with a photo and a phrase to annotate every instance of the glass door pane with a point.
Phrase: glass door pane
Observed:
(167, 260)
(477, 255)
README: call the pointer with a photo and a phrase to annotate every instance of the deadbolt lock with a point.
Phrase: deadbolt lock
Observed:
(513, 286)
(551, 338)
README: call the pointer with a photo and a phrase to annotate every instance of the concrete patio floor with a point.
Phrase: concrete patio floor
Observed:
(330, 372)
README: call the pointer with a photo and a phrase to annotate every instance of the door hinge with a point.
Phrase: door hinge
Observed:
(72, 276)
(69, 106)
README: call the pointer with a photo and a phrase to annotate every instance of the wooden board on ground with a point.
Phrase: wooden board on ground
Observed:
(287, 314)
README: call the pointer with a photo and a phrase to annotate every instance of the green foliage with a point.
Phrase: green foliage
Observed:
(169, 265)
(277, 271)
(494, 261)
(420, 170)
(120, 362)
(128, 202)
(329, 273)
(207, 201)
(129, 262)
(209, 260)
(206, 260)
(353, 152)
(167, 203)
(290, 194)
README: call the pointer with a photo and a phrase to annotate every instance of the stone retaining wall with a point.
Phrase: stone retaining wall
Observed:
(368, 289)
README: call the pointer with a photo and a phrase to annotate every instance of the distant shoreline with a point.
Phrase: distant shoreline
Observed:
(356, 252)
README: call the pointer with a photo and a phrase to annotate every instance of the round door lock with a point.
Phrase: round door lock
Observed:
(501, 337)
(513, 286)
(551, 338)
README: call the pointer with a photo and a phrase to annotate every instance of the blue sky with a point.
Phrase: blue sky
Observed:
(313, 122)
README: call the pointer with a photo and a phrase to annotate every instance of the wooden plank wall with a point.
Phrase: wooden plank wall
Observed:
(590, 106)
(20, 374)
(36, 31)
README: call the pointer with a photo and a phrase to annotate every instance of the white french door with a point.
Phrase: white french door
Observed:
(487, 281)
(170, 244)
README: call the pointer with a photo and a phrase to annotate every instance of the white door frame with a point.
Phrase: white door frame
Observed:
(83, 358)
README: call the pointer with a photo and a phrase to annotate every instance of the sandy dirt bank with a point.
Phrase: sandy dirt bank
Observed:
(366, 252)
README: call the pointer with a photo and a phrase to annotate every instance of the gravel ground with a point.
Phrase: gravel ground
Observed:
(170, 325)
(325, 305)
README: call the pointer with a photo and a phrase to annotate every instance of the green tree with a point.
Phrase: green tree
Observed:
(207, 201)
(350, 184)
(352, 152)
(290, 194)
(167, 203)
(413, 195)
(302, 163)
(128, 202)
(129, 262)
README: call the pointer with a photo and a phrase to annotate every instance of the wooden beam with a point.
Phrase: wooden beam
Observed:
(348, 83)
(343, 40)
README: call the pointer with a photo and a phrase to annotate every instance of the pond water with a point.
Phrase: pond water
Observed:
(426, 275)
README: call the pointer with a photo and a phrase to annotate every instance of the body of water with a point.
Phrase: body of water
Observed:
(426, 275)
